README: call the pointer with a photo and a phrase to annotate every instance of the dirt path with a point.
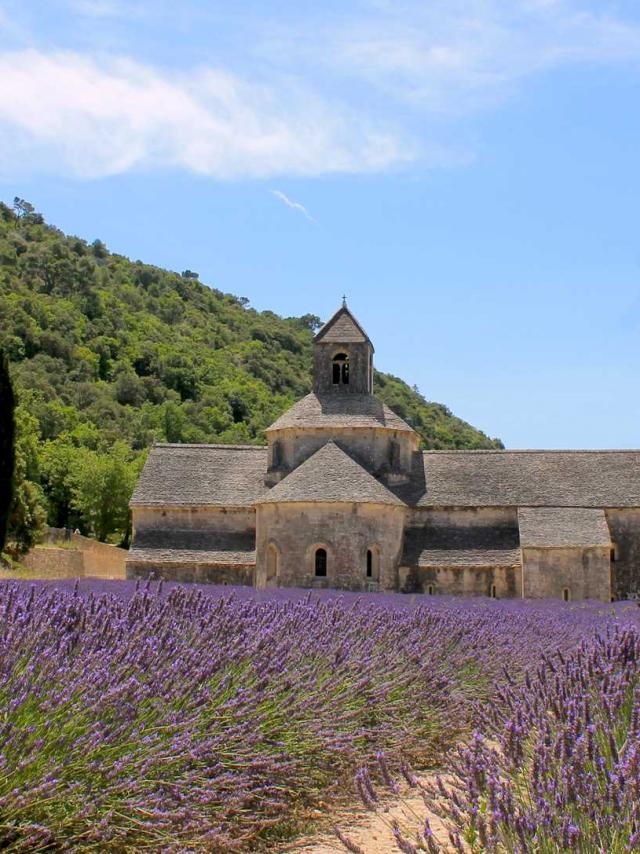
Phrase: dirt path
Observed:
(372, 831)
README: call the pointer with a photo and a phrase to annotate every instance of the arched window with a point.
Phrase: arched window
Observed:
(341, 369)
(430, 590)
(494, 592)
(372, 563)
(321, 563)
(566, 594)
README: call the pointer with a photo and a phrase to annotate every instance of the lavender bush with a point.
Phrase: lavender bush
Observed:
(184, 719)
(554, 764)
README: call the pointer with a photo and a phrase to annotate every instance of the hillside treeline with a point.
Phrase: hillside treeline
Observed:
(109, 355)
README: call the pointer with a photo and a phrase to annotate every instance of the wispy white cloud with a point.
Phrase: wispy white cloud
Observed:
(456, 56)
(375, 85)
(101, 117)
(296, 206)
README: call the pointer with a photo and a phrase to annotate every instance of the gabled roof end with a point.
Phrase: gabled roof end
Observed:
(350, 330)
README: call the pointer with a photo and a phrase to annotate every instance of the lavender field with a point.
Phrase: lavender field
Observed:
(218, 719)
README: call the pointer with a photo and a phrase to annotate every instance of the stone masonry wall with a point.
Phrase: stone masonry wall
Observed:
(463, 581)
(624, 526)
(81, 557)
(586, 572)
(360, 380)
(51, 562)
(346, 531)
(371, 448)
(101, 560)
(223, 519)
(463, 517)
(192, 572)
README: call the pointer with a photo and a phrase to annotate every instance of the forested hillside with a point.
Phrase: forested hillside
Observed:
(109, 355)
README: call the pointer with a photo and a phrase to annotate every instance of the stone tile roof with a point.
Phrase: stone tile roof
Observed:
(330, 475)
(342, 328)
(171, 555)
(340, 410)
(461, 546)
(524, 479)
(555, 527)
(196, 475)
(192, 546)
(232, 476)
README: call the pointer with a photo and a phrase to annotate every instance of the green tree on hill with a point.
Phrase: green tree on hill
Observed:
(27, 515)
(110, 355)
(7, 446)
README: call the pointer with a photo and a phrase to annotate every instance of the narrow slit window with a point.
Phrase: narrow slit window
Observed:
(321, 563)
(566, 594)
(369, 563)
(494, 592)
(430, 590)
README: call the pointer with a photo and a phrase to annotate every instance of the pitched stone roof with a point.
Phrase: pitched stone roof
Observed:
(339, 411)
(330, 475)
(182, 546)
(524, 479)
(232, 475)
(342, 328)
(209, 475)
(461, 546)
(555, 527)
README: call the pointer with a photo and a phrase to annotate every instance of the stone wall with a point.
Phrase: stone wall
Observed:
(223, 519)
(360, 368)
(371, 448)
(505, 582)
(346, 531)
(101, 560)
(81, 557)
(624, 526)
(52, 562)
(463, 517)
(584, 572)
(192, 572)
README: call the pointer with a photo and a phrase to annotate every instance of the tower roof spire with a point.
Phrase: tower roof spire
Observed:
(343, 328)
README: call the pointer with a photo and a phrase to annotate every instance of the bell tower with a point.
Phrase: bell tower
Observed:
(342, 356)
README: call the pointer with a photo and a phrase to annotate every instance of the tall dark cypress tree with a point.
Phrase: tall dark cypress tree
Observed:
(7, 445)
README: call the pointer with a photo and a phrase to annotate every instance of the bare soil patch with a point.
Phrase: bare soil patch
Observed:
(372, 831)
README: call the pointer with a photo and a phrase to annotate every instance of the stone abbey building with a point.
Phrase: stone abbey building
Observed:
(343, 497)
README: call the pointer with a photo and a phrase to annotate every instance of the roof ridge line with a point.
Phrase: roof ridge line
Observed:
(210, 445)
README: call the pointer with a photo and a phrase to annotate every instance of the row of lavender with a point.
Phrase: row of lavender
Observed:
(554, 764)
(202, 720)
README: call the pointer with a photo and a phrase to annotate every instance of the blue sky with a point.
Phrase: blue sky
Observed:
(466, 172)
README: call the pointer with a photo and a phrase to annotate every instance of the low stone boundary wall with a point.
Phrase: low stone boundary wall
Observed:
(81, 557)
(101, 560)
(50, 562)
